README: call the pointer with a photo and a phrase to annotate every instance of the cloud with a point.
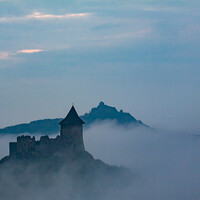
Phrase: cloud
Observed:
(30, 51)
(158, 8)
(134, 34)
(4, 55)
(41, 16)
(165, 166)
(8, 55)
(165, 163)
(37, 15)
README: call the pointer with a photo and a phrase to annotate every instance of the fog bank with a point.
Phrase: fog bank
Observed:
(165, 165)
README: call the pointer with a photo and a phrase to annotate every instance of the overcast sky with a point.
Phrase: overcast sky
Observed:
(142, 56)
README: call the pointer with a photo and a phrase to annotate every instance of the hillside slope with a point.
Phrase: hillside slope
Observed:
(98, 114)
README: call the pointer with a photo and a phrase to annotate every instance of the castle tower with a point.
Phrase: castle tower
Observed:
(72, 129)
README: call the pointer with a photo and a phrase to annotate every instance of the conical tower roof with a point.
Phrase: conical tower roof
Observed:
(72, 118)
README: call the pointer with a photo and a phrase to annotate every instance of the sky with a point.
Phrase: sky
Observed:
(141, 56)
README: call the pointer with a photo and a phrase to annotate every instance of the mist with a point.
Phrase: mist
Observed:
(164, 164)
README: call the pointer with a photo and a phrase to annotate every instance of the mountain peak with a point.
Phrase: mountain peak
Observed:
(101, 104)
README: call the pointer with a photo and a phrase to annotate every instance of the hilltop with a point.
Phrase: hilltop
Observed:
(61, 162)
(104, 112)
(100, 113)
(75, 175)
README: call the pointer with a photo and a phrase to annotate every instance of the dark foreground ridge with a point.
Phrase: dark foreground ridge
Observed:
(33, 164)
(98, 114)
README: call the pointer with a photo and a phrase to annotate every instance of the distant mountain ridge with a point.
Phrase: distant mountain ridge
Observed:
(104, 112)
(98, 114)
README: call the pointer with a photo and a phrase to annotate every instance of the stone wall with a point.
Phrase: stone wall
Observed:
(26, 146)
(73, 134)
(71, 137)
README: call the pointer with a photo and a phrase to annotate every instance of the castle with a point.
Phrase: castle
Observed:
(71, 137)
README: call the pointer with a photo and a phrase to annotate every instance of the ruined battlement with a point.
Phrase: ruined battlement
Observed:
(71, 137)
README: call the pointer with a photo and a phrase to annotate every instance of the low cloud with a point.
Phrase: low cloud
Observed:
(165, 163)
(165, 166)
(30, 51)
(4, 55)
(37, 15)
(8, 55)
(41, 16)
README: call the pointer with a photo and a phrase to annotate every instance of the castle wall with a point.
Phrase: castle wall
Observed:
(25, 146)
(12, 148)
(71, 137)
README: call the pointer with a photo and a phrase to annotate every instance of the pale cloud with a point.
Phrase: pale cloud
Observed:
(30, 51)
(37, 15)
(135, 34)
(41, 16)
(4, 55)
(121, 38)
(8, 55)
(159, 9)
(167, 9)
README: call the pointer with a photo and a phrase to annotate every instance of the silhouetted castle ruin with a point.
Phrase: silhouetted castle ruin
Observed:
(71, 137)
